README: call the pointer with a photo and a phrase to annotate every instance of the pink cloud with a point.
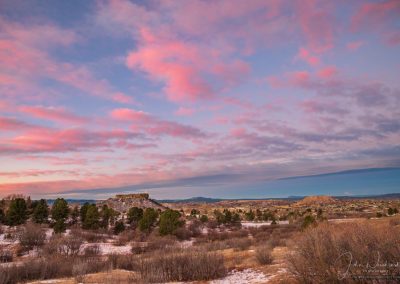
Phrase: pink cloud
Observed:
(300, 78)
(379, 17)
(68, 140)
(176, 63)
(53, 113)
(184, 111)
(26, 60)
(354, 45)
(306, 56)
(13, 124)
(320, 106)
(327, 72)
(317, 23)
(130, 115)
(154, 126)
(122, 98)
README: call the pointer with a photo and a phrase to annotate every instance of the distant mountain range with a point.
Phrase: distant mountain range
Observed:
(73, 201)
(213, 200)
(200, 199)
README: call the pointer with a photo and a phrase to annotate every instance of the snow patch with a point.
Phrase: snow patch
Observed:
(109, 248)
(242, 277)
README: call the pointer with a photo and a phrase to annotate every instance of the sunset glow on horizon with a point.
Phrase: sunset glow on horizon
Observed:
(183, 98)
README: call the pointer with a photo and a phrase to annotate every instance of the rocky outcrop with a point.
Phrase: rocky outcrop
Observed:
(123, 202)
(316, 200)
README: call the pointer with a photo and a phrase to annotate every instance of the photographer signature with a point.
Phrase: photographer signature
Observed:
(347, 258)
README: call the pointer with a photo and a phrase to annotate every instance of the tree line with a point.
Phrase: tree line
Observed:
(60, 216)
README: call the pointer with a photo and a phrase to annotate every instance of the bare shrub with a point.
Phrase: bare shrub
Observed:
(263, 255)
(92, 250)
(325, 253)
(31, 236)
(240, 243)
(214, 235)
(49, 268)
(79, 269)
(126, 262)
(195, 228)
(124, 238)
(66, 246)
(183, 234)
(182, 266)
(90, 236)
(212, 224)
(5, 255)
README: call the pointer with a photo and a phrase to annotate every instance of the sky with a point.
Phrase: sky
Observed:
(199, 98)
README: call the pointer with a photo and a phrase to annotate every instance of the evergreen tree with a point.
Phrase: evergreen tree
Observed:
(83, 211)
(17, 213)
(60, 209)
(235, 218)
(194, 212)
(107, 216)
(135, 214)
(40, 211)
(149, 218)
(92, 218)
(250, 215)
(2, 216)
(308, 221)
(119, 227)
(219, 217)
(169, 222)
(227, 216)
(204, 218)
(59, 213)
(74, 215)
(59, 226)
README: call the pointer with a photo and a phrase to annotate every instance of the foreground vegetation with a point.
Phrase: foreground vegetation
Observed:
(152, 246)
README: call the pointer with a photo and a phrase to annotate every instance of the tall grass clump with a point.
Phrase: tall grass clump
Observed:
(182, 266)
(337, 253)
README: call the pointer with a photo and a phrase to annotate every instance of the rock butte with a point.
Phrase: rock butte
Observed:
(123, 202)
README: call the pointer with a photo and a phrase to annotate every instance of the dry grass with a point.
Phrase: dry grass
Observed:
(264, 255)
(182, 266)
(325, 253)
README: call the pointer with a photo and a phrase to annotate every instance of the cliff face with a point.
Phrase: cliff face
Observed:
(123, 202)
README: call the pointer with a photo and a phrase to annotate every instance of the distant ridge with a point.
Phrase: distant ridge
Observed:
(73, 201)
(292, 198)
(193, 199)
(213, 200)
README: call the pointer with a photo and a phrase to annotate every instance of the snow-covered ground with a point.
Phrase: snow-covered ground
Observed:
(108, 248)
(260, 224)
(243, 277)
(344, 220)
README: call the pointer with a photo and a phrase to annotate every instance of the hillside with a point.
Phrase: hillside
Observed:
(123, 203)
(316, 200)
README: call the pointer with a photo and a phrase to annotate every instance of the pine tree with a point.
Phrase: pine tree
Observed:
(83, 211)
(135, 214)
(92, 218)
(59, 213)
(119, 227)
(74, 215)
(169, 222)
(40, 212)
(17, 213)
(60, 209)
(149, 218)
